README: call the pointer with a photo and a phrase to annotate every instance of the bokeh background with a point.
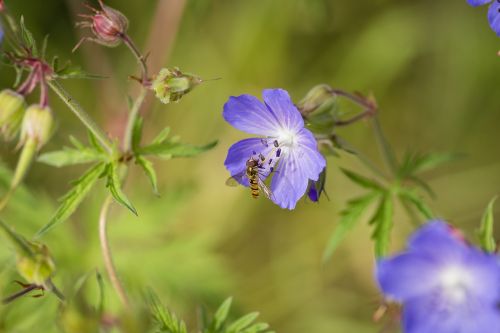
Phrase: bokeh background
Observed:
(432, 66)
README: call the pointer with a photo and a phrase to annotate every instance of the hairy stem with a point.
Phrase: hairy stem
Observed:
(107, 256)
(82, 115)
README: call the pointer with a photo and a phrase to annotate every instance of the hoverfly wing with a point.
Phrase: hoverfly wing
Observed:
(267, 192)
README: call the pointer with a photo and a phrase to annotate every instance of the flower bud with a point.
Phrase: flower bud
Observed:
(37, 126)
(12, 107)
(109, 25)
(37, 268)
(317, 97)
(317, 188)
(171, 84)
(2, 7)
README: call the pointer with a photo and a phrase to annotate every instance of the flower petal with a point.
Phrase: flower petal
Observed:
(407, 275)
(238, 155)
(300, 164)
(420, 315)
(438, 239)
(250, 115)
(281, 105)
(494, 17)
(476, 3)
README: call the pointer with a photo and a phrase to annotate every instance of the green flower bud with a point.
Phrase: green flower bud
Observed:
(12, 107)
(37, 126)
(171, 84)
(318, 97)
(38, 267)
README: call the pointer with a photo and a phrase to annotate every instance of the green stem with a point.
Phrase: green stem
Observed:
(82, 115)
(134, 113)
(385, 148)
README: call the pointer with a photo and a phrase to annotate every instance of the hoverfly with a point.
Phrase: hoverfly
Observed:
(253, 172)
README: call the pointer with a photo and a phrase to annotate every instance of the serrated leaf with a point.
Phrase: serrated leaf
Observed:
(242, 323)
(171, 149)
(95, 143)
(69, 156)
(147, 167)
(221, 314)
(71, 201)
(361, 180)
(485, 232)
(28, 38)
(349, 217)
(383, 226)
(417, 202)
(44, 46)
(415, 163)
(114, 186)
(167, 321)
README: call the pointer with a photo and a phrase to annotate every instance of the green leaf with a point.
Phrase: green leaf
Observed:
(414, 163)
(485, 232)
(242, 323)
(19, 242)
(383, 226)
(162, 136)
(349, 217)
(148, 168)
(75, 72)
(171, 149)
(28, 38)
(167, 321)
(361, 180)
(137, 133)
(221, 314)
(412, 198)
(74, 197)
(69, 156)
(115, 188)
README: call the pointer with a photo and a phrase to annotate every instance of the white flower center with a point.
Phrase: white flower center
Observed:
(287, 138)
(455, 282)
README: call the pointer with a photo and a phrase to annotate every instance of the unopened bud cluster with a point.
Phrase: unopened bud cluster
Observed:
(171, 84)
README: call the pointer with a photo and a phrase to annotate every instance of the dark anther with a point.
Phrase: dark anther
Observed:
(262, 157)
(270, 161)
(254, 153)
(271, 169)
(278, 152)
(264, 142)
(276, 144)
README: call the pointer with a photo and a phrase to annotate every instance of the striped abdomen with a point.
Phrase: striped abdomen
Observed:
(252, 174)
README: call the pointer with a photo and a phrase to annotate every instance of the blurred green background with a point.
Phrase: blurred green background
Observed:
(432, 66)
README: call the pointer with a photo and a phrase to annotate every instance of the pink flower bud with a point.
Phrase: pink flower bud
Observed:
(108, 25)
(2, 6)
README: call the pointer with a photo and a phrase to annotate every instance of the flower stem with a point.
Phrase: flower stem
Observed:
(385, 148)
(106, 252)
(134, 113)
(138, 55)
(82, 115)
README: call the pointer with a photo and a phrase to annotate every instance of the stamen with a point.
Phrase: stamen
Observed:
(278, 152)
(276, 144)
(270, 161)
(264, 142)
(261, 157)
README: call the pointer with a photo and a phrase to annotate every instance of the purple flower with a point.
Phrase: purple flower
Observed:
(444, 284)
(493, 12)
(286, 150)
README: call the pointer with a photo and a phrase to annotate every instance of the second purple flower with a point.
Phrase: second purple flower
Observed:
(285, 149)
